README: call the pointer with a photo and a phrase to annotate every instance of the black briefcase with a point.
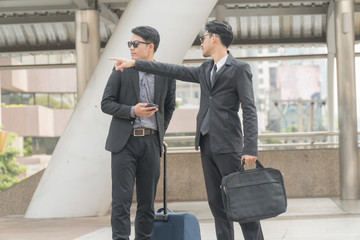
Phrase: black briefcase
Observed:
(254, 194)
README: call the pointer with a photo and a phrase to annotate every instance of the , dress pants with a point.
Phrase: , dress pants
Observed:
(216, 166)
(140, 160)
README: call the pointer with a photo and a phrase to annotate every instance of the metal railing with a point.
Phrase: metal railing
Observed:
(269, 141)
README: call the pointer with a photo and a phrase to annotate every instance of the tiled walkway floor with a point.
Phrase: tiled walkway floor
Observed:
(305, 219)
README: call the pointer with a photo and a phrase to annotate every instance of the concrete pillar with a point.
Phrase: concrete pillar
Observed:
(348, 143)
(220, 12)
(330, 93)
(87, 46)
(77, 181)
(331, 97)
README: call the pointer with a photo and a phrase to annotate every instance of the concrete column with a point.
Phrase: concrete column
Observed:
(87, 46)
(77, 181)
(220, 12)
(348, 144)
(330, 94)
(330, 40)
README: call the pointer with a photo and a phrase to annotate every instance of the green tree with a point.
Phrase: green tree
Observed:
(9, 168)
(28, 148)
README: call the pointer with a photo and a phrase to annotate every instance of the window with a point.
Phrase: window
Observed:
(41, 99)
(27, 98)
(68, 100)
(15, 98)
(50, 100)
(196, 94)
(55, 100)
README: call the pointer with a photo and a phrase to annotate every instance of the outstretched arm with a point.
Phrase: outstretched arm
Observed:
(121, 63)
(173, 71)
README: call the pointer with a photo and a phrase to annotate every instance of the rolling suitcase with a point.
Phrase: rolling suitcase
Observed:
(174, 226)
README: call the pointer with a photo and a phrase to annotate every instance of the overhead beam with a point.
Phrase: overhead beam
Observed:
(280, 41)
(37, 19)
(37, 66)
(41, 8)
(115, 4)
(121, 5)
(274, 11)
(82, 4)
(244, 2)
(40, 48)
(265, 58)
(107, 16)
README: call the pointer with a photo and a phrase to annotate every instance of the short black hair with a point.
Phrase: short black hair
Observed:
(222, 29)
(149, 34)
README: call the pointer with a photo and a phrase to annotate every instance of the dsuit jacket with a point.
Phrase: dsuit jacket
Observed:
(121, 93)
(232, 87)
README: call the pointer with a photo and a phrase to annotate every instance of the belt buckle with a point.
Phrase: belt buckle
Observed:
(140, 132)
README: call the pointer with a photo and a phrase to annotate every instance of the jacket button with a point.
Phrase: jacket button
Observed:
(210, 97)
(132, 122)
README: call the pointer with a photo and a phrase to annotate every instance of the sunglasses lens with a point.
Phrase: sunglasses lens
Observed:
(134, 43)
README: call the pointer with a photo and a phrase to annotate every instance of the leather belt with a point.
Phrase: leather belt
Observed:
(140, 132)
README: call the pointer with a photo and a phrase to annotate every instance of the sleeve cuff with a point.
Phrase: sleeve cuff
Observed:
(132, 112)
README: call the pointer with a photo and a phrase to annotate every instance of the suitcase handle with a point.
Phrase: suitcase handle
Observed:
(164, 182)
(163, 217)
(242, 166)
(163, 209)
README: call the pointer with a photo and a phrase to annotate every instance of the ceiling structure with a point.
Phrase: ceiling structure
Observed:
(42, 25)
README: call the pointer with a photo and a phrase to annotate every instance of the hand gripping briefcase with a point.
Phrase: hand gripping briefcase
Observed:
(254, 194)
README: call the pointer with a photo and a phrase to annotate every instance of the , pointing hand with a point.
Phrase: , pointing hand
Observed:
(121, 63)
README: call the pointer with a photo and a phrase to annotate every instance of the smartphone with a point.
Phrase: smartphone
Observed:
(151, 105)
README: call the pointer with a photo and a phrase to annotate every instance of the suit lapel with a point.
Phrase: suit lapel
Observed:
(218, 73)
(135, 80)
(207, 75)
(223, 68)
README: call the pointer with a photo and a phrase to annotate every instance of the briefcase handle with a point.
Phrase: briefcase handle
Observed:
(242, 166)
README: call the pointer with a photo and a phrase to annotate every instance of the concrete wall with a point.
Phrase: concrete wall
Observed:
(34, 164)
(15, 200)
(35, 121)
(307, 173)
(57, 80)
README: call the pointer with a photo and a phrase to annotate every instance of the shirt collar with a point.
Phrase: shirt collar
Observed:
(221, 62)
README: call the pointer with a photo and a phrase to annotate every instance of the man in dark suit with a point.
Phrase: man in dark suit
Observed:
(226, 83)
(136, 135)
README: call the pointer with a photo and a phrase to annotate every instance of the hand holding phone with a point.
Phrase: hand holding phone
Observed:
(145, 109)
(151, 105)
